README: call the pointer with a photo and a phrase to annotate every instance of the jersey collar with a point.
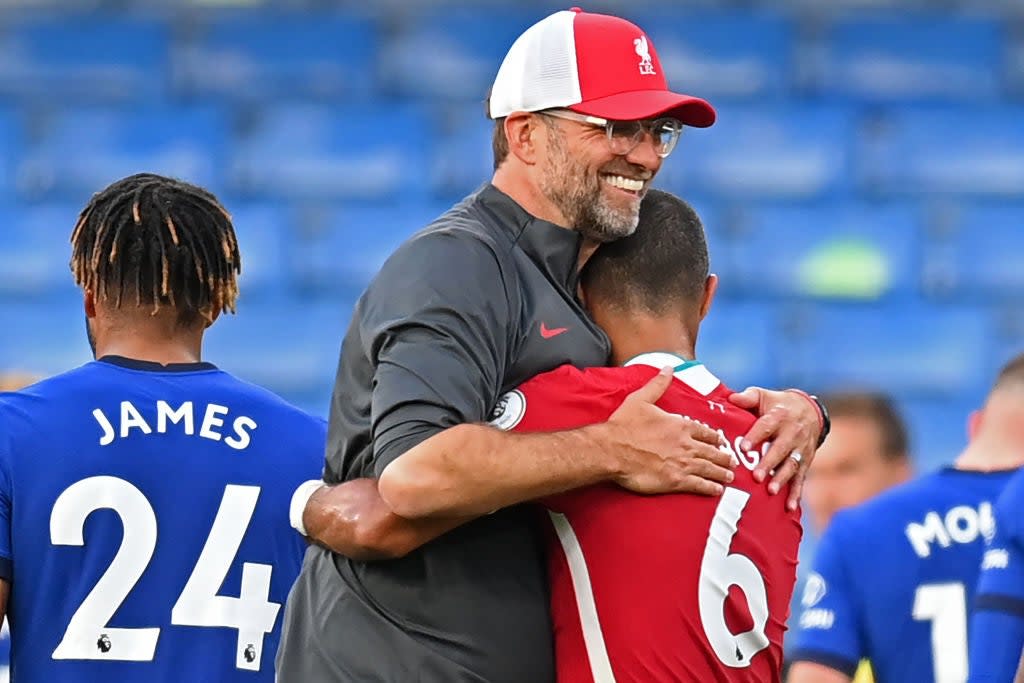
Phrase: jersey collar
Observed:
(149, 366)
(690, 372)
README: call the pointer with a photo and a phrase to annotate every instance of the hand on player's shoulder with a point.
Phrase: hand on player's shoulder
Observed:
(659, 452)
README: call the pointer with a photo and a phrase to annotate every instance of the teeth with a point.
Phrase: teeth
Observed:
(624, 183)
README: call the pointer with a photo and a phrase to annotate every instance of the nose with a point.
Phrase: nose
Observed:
(645, 154)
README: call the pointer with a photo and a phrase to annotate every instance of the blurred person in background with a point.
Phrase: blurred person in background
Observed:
(894, 577)
(675, 618)
(997, 625)
(867, 453)
(150, 540)
(465, 311)
(12, 380)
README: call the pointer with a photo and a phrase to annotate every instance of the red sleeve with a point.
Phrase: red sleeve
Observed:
(566, 398)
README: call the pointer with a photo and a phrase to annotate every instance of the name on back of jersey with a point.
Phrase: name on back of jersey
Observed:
(749, 459)
(211, 421)
(962, 525)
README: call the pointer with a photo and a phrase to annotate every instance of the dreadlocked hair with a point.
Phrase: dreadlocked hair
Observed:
(147, 240)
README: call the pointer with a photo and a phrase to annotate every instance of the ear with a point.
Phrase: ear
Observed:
(710, 287)
(522, 130)
(89, 303)
(974, 422)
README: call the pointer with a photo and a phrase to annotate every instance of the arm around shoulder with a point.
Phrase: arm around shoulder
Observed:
(474, 469)
(352, 519)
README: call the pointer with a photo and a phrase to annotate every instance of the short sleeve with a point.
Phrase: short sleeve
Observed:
(436, 326)
(997, 627)
(6, 545)
(828, 630)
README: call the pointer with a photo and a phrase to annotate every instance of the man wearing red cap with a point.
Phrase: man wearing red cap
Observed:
(463, 312)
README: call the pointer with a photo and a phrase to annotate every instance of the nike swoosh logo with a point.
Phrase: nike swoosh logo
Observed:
(549, 333)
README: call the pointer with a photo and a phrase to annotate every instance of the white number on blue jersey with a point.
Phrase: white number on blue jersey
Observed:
(945, 605)
(88, 636)
(721, 569)
(251, 612)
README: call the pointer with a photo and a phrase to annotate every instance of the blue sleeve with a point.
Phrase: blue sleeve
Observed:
(828, 631)
(997, 626)
(6, 554)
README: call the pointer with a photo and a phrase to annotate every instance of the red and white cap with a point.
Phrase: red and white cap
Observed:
(594, 64)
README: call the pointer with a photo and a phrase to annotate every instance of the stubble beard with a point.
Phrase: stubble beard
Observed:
(578, 195)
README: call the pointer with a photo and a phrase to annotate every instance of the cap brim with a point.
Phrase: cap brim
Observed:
(649, 104)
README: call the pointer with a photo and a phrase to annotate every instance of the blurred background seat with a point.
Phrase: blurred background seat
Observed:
(306, 151)
(837, 251)
(78, 151)
(270, 55)
(911, 56)
(914, 350)
(965, 150)
(791, 151)
(86, 58)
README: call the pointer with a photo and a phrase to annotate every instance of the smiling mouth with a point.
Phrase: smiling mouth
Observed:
(631, 185)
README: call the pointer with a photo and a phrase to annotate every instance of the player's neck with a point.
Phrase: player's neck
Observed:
(154, 342)
(635, 335)
(989, 455)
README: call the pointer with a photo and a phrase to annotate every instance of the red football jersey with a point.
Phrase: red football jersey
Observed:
(651, 589)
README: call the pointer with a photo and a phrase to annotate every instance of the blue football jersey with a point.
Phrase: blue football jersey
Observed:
(894, 578)
(997, 627)
(144, 523)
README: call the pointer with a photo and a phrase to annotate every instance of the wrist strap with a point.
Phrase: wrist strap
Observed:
(824, 420)
(298, 504)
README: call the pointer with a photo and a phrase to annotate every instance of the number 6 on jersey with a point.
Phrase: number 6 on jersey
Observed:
(87, 635)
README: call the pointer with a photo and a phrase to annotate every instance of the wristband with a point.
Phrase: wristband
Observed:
(299, 500)
(824, 420)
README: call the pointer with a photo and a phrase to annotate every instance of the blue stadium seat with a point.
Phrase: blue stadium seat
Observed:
(912, 350)
(11, 143)
(264, 233)
(43, 339)
(87, 57)
(739, 343)
(844, 251)
(364, 153)
(462, 158)
(790, 151)
(289, 348)
(964, 150)
(35, 250)
(913, 56)
(978, 254)
(452, 53)
(256, 55)
(340, 249)
(722, 54)
(82, 150)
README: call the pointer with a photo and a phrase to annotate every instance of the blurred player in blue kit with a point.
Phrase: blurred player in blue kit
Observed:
(997, 627)
(894, 578)
(144, 496)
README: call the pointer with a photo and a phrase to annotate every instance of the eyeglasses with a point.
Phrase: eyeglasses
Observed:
(624, 136)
